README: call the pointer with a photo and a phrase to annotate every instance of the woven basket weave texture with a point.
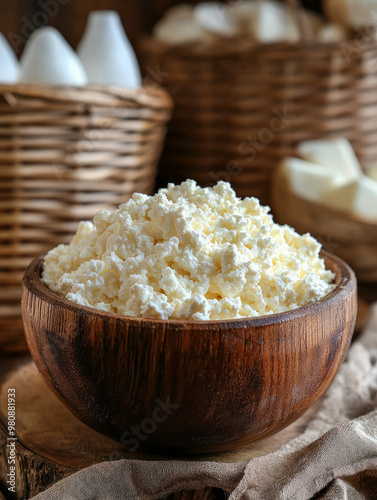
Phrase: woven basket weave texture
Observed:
(240, 107)
(66, 153)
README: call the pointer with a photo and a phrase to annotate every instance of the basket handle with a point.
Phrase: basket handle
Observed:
(300, 19)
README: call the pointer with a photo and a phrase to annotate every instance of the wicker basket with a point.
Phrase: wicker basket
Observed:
(240, 106)
(66, 153)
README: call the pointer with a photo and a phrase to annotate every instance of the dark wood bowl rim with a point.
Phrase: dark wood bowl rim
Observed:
(345, 277)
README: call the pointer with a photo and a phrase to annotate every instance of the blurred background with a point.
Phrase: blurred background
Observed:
(241, 106)
(20, 18)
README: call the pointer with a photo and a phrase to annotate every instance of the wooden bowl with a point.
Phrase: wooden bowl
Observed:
(351, 238)
(188, 387)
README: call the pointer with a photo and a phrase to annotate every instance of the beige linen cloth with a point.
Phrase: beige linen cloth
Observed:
(335, 458)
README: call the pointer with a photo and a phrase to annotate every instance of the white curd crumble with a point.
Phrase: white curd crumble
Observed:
(188, 253)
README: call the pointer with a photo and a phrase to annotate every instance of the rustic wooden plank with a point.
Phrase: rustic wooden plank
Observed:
(36, 470)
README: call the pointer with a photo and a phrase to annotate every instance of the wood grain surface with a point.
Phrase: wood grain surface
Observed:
(211, 386)
(53, 443)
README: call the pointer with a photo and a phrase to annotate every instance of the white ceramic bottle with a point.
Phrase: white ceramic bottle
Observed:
(9, 66)
(48, 58)
(106, 53)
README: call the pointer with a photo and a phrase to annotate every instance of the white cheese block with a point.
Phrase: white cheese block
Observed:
(309, 180)
(359, 197)
(48, 58)
(180, 11)
(9, 66)
(332, 33)
(267, 20)
(273, 22)
(243, 13)
(106, 52)
(215, 18)
(342, 198)
(372, 173)
(335, 154)
(178, 31)
(179, 26)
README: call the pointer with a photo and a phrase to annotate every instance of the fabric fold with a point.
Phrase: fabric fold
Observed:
(140, 480)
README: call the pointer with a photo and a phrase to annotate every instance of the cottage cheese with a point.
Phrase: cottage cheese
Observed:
(188, 253)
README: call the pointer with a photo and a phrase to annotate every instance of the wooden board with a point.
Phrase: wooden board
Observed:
(52, 443)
